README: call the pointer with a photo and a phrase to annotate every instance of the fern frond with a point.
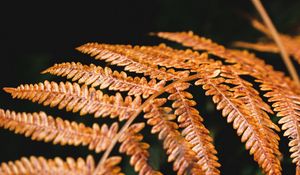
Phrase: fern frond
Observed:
(193, 128)
(287, 105)
(291, 43)
(56, 166)
(76, 98)
(179, 150)
(39, 126)
(248, 124)
(131, 145)
(110, 167)
(125, 56)
(163, 55)
(106, 78)
(249, 62)
(260, 46)
(200, 43)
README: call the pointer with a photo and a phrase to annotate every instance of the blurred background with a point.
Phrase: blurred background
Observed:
(35, 35)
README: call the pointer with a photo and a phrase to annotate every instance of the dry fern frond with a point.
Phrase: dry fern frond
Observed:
(76, 98)
(255, 67)
(162, 55)
(39, 126)
(258, 69)
(238, 111)
(179, 150)
(110, 167)
(106, 78)
(246, 59)
(42, 166)
(291, 43)
(260, 46)
(261, 71)
(137, 150)
(186, 140)
(193, 129)
(287, 105)
(125, 56)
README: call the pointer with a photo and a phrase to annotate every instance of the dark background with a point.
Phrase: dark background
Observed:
(36, 35)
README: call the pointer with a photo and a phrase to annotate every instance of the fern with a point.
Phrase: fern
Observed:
(39, 165)
(163, 98)
(291, 43)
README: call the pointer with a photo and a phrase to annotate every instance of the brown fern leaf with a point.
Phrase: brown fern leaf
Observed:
(276, 83)
(194, 130)
(261, 71)
(137, 150)
(248, 61)
(76, 98)
(110, 167)
(249, 125)
(106, 78)
(125, 56)
(256, 67)
(190, 40)
(291, 43)
(42, 166)
(259, 46)
(39, 126)
(273, 81)
(162, 55)
(179, 150)
(287, 105)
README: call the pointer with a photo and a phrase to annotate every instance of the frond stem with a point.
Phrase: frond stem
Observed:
(261, 10)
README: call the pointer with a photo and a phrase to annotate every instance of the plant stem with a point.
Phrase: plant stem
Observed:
(260, 8)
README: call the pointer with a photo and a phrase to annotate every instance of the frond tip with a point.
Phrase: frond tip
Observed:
(39, 126)
(110, 167)
(132, 145)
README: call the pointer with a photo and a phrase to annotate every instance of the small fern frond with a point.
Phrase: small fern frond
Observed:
(110, 167)
(56, 166)
(259, 46)
(39, 126)
(123, 56)
(76, 98)
(265, 149)
(106, 78)
(193, 129)
(291, 43)
(131, 145)
(179, 150)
